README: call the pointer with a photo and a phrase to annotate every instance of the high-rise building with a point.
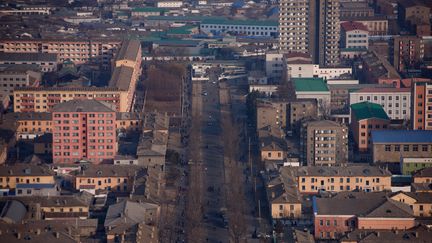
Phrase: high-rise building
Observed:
(83, 129)
(421, 105)
(311, 26)
(324, 143)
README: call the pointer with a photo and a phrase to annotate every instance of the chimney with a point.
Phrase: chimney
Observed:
(416, 234)
(57, 235)
(378, 234)
(38, 231)
(18, 234)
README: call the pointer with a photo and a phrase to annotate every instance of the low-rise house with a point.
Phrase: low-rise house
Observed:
(420, 202)
(345, 212)
(418, 234)
(47, 62)
(116, 178)
(313, 88)
(423, 176)
(37, 190)
(13, 76)
(11, 175)
(132, 221)
(313, 179)
(389, 146)
(273, 148)
(30, 125)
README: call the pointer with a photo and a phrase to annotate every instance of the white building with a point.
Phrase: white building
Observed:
(274, 64)
(354, 35)
(306, 70)
(169, 4)
(395, 101)
(240, 27)
(265, 89)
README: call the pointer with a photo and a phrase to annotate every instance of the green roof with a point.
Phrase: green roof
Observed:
(367, 110)
(149, 9)
(241, 22)
(310, 85)
(184, 30)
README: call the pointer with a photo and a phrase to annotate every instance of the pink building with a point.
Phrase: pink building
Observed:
(83, 129)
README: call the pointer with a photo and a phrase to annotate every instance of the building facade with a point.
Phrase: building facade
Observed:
(18, 76)
(324, 143)
(389, 146)
(47, 62)
(77, 51)
(408, 52)
(11, 175)
(41, 99)
(83, 129)
(366, 117)
(241, 27)
(354, 35)
(395, 102)
(421, 105)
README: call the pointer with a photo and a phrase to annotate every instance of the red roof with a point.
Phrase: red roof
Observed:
(348, 26)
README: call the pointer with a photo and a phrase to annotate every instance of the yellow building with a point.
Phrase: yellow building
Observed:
(312, 179)
(273, 149)
(11, 175)
(420, 202)
(43, 99)
(106, 177)
(32, 124)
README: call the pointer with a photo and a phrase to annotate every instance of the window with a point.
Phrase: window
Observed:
(424, 148)
(421, 207)
(406, 148)
(387, 148)
(335, 223)
(397, 148)
(415, 148)
(280, 207)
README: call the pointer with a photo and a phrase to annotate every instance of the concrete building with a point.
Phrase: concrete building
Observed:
(313, 179)
(240, 27)
(423, 176)
(421, 105)
(376, 25)
(43, 99)
(345, 212)
(412, 14)
(419, 233)
(323, 143)
(116, 178)
(355, 9)
(390, 146)
(272, 113)
(366, 117)
(310, 27)
(12, 76)
(83, 129)
(408, 52)
(313, 88)
(396, 102)
(47, 62)
(31, 190)
(272, 148)
(308, 70)
(146, 12)
(12, 175)
(354, 35)
(78, 51)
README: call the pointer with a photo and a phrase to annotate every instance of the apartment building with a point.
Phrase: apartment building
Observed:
(354, 35)
(43, 99)
(366, 117)
(47, 62)
(241, 27)
(30, 125)
(116, 178)
(12, 76)
(389, 146)
(420, 202)
(408, 52)
(310, 27)
(79, 51)
(13, 175)
(272, 113)
(299, 111)
(169, 4)
(346, 212)
(412, 14)
(421, 105)
(83, 129)
(323, 143)
(396, 102)
(146, 12)
(127, 70)
(312, 179)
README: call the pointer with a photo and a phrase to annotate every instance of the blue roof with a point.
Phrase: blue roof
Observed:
(35, 186)
(402, 136)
